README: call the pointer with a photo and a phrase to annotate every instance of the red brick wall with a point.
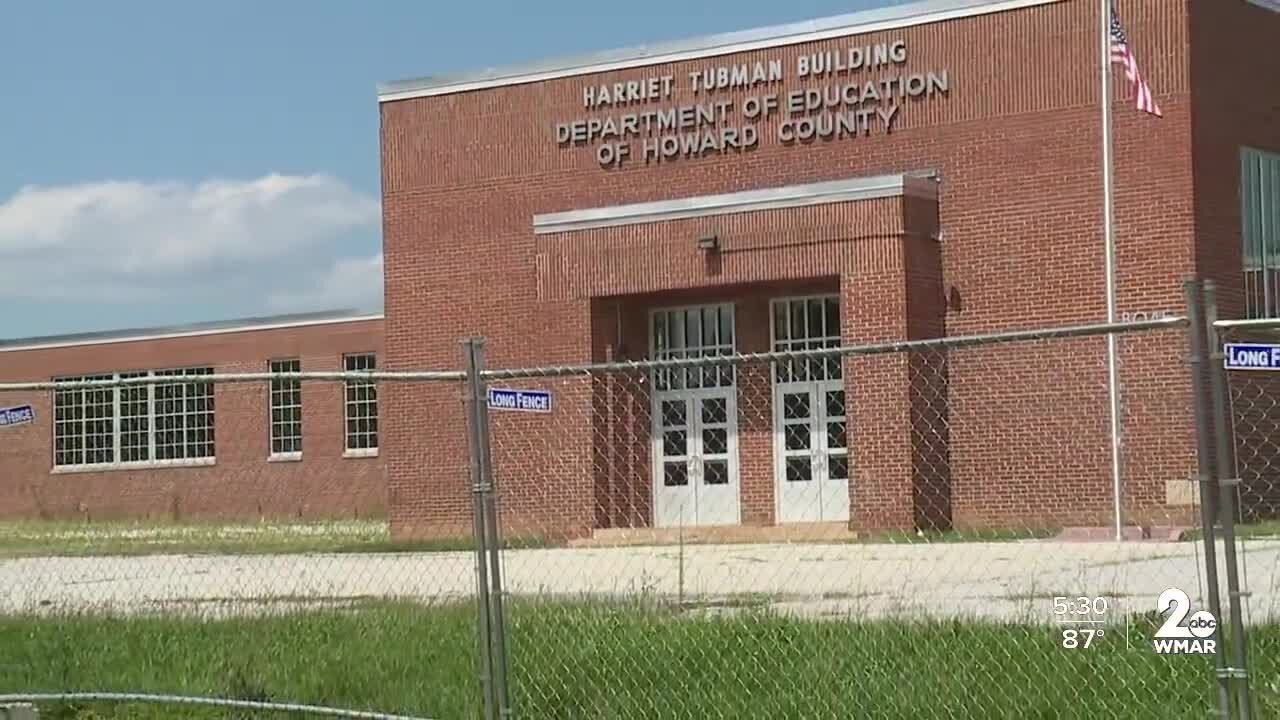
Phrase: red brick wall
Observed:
(1017, 145)
(243, 484)
(1236, 68)
(1236, 65)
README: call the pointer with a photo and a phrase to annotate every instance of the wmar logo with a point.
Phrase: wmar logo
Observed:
(1182, 635)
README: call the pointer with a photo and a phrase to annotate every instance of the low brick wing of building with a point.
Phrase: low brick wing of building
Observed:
(196, 451)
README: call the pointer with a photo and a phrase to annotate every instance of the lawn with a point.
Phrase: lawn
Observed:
(46, 538)
(616, 662)
(64, 538)
(1267, 529)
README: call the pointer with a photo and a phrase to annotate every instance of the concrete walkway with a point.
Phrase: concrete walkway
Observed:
(1001, 580)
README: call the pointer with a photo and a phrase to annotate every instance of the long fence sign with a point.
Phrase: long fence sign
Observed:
(20, 415)
(538, 401)
(1252, 356)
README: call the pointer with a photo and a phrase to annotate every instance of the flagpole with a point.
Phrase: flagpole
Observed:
(1109, 244)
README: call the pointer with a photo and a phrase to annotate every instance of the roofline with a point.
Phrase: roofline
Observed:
(899, 16)
(273, 322)
(923, 184)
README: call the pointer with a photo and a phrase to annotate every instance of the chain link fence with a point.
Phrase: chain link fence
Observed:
(912, 529)
(1255, 421)
(920, 529)
(1252, 436)
(201, 544)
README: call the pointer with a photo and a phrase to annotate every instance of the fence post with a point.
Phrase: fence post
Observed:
(1206, 485)
(488, 538)
(473, 391)
(1228, 481)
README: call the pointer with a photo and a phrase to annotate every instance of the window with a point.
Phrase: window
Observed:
(83, 421)
(286, 410)
(1260, 229)
(691, 333)
(361, 407)
(134, 425)
(811, 323)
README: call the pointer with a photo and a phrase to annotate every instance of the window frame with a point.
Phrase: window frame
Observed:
(1260, 232)
(117, 433)
(275, 389)
(677, 380)
(348, 451)
(832, 368)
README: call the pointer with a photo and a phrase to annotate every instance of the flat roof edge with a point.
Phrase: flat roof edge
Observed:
(889, 18)
(914, 184)
(168, 332)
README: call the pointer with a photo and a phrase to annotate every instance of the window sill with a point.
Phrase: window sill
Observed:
(285, 457)
(362, 453)
(146, 465)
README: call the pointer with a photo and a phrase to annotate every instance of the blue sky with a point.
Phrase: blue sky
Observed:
(169, 162)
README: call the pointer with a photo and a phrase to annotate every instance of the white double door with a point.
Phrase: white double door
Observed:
(811, 447)
(696, 479)
(810, 423)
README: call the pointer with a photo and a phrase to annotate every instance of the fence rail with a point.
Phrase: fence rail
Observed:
(919, 528)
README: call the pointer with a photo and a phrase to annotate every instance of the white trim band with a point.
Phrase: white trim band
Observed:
(921, 185)
(143, 335)
(881, 19)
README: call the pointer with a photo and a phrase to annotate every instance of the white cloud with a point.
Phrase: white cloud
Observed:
(285, 238)
(348, 283)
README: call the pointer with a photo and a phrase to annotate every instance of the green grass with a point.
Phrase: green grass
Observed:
(66, 538)
(44, 538)
(621, 662)
(1268, 529)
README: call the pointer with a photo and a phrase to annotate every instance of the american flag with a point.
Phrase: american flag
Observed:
(1120, 53)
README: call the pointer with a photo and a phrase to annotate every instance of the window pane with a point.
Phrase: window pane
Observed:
(833, 317)
(715, 472)
(795, 406)
(715, 441)
(799, 469)
(835, 403)
(816, 325)
(715, 412)
(726, 326)
(836, 436)
(673, 412)
(838, 467)
(675, 474)
(693, 334)
(674, 443)
(797, 437)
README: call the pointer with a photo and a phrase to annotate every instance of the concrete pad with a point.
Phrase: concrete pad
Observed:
(1100, 534)
(996, 581)
(1130, 533)
(737, 534)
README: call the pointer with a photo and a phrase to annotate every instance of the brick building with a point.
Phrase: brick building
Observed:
(197, 450)
(908, 173)
(918, 171)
